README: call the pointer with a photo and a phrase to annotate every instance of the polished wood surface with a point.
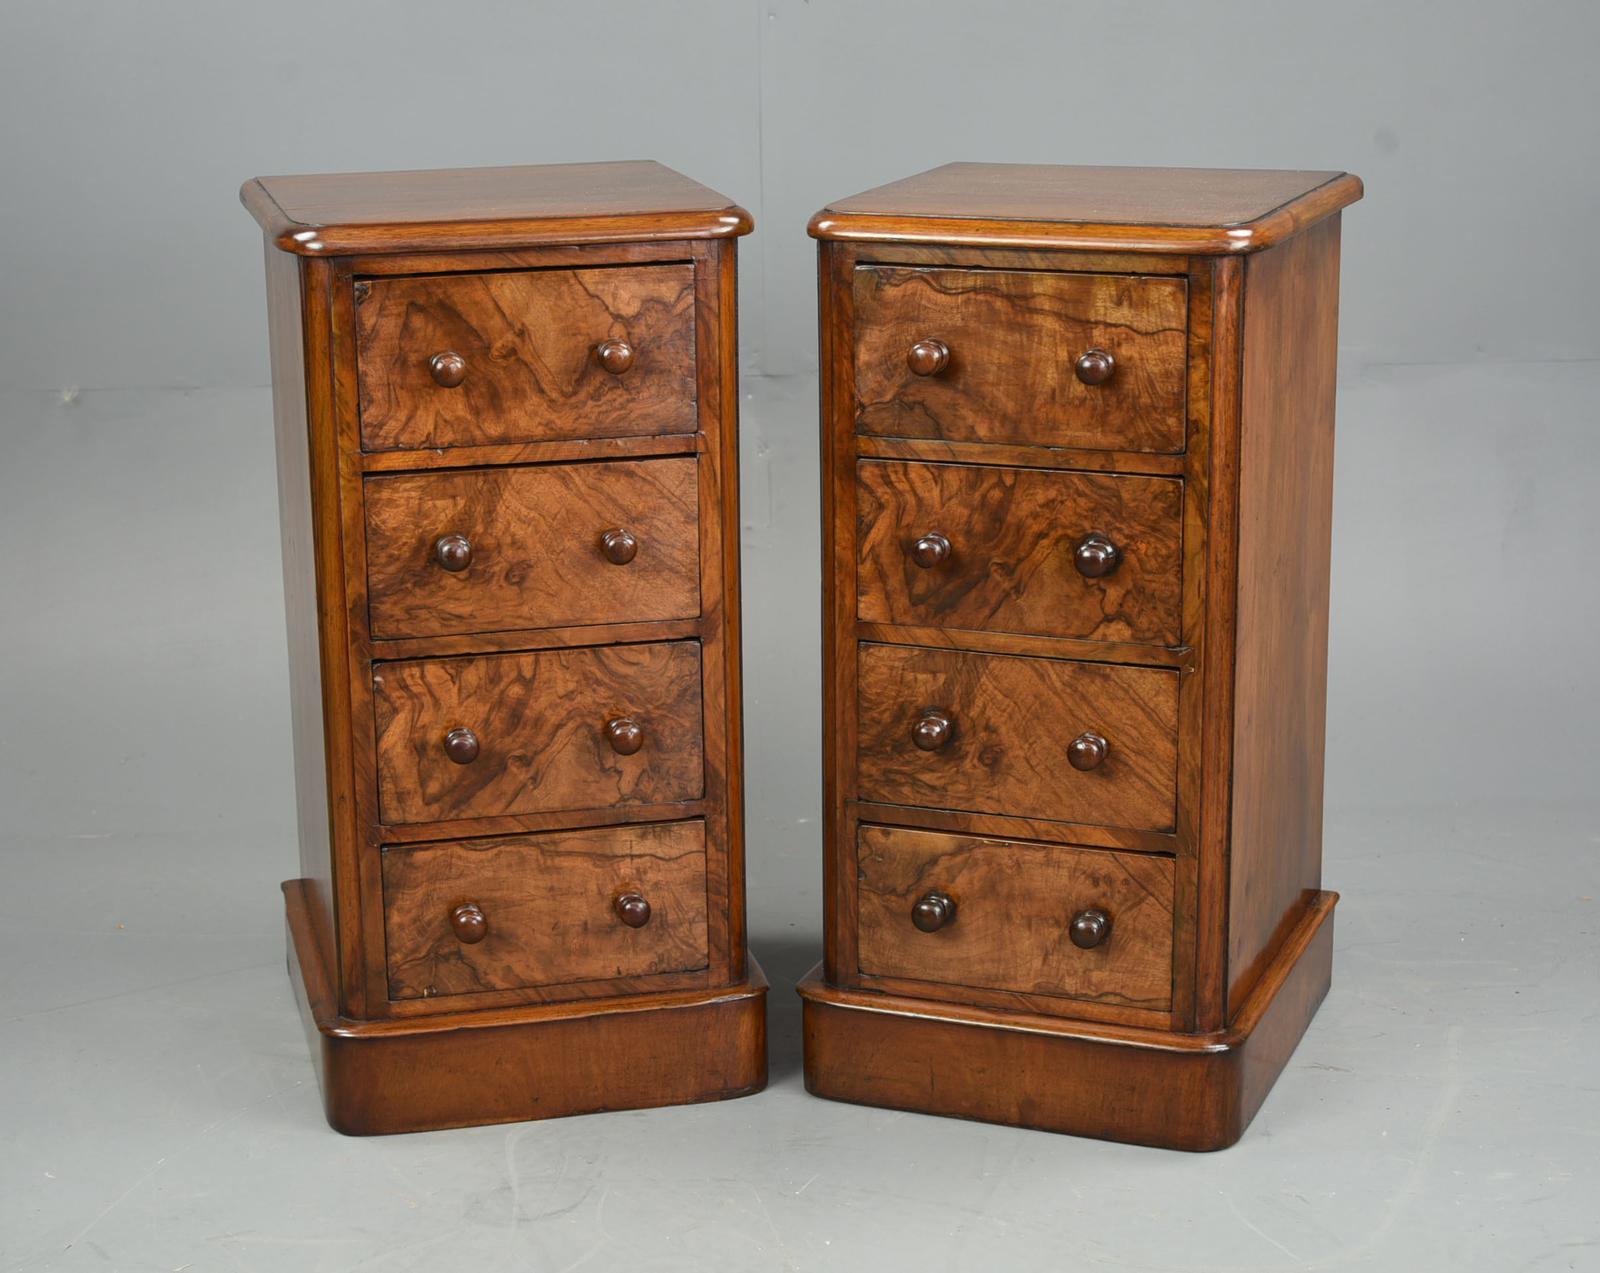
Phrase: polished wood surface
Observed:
(1291, 315)
(1173, 1089)
(547, 905)
(542, 723)
(1015, 915)
(467, 209)
(1003, 548)
(531, 543)
(1108, 209)
(476, 359)
(465, 1066)
(1013, 720)
(962, 596)
(487, 595)
(1013, 341)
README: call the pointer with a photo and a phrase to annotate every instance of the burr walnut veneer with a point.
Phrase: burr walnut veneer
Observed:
(505, 404)
(1077, 454)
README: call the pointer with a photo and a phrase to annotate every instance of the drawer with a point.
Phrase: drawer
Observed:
(999, 355)
(462, 359)
(539, 732)
(485, 550)
(1020, 550)
(544, 910)
(1011, 916)
(988, 733)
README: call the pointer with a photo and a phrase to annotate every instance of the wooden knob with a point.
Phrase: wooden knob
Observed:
(619, 546)
(930, 550)
(616, 356)
(632, 909)
(933, 911)
(625, 735)
(1089, 929)
(453, 552)
(928, 357)
(471, 925)
(932, 730)
(1095, 367)
(448, 369)
(461, 745)
(1096, 556)
(1087, 751)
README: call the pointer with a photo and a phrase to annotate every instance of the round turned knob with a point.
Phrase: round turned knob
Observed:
(619, 546)
(448, 369)
(625, 735)
(932, 730)
(1089, 929)
(632, 909)
(930, 550)
(933, 911)
(1087, 751)
(928, 357)
(1094, 367)
(1096, 556)
(471, 925)
(616, 356)
(461, 745)
(453, 552)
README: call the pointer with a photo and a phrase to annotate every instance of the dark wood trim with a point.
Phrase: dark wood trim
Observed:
(556, 451)
(937, 451)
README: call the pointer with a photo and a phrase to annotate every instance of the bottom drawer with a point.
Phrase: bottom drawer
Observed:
(541, 910)
(1006, 915)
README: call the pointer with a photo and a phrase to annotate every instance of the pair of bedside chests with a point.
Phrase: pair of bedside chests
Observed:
(1077, 441)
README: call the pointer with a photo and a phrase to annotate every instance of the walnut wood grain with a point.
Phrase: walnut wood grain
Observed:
(537, 552)
(1014, 719)
(1015, 904)
(467, 209)
(540, 720)
(549, 909)
(1012, 534)
(1014, 339)
(527, 340)
(1213, 211)
(1291, 318)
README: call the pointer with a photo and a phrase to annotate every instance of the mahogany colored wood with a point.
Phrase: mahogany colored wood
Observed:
(542, 724)
(1049, 579)
(565, 545)
(1015, 909)
(465, 1066)
(473, 359)
(1167, 1088)
(1012, 340)
(537, 552)
(1010, 725)
(457, 210)
(546, 909)
(1291, 315)
(1156, 210)
(1006, 550)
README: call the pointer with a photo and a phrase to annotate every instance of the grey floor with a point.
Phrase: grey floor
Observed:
(158, 1111)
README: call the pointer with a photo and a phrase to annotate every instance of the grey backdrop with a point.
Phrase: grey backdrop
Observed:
(156, 1101)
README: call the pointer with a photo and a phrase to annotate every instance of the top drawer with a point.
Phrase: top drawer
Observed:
(463, 359)
(1033, 358)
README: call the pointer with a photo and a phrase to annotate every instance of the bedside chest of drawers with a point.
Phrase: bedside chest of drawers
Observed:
(1078, 442)
(505, 405)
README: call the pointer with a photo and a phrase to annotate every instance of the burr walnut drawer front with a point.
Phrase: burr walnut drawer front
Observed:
(463, 359)
(544, 910)
(589, 728)
(1023, 917)
(1026, 357)
(483, 550)
(1027, 737)
(1088, 555)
